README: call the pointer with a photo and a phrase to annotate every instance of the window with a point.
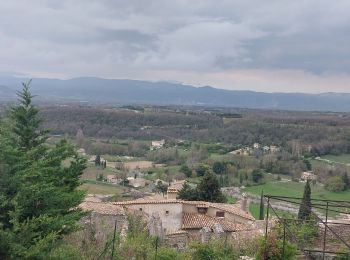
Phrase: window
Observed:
(202, 210)
(220, 214)
(140, 209)
(167, 212)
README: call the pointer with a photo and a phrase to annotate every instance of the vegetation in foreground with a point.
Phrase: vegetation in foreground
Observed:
(38, 191)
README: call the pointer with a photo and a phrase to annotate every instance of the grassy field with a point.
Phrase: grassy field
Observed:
(254, 209)
(231, 200)
(342, 158)
(96, 188)
(91, 172)
(295, 189)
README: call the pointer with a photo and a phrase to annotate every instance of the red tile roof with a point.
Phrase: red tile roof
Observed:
(102, 208)
(198, 221)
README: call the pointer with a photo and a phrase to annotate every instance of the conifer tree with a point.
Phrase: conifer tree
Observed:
(346, 180)
(41, 199)
(209, 189)
(261, 211)
(305, 206)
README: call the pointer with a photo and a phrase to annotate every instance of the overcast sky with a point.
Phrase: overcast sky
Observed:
(281, 45)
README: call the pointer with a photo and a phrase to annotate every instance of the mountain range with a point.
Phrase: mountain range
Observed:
(124, 91)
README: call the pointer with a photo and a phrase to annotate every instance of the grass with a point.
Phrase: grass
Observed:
(296, 189)
(342, 158)
(254, 209)
(92, 171)
(231, 200)
(97, 188)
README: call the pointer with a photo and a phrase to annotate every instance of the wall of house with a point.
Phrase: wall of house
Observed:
(189, 208)
(228, 216)
(171, 221)
(101, 226)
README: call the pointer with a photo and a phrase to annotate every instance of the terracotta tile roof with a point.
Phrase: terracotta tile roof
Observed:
(172, 190)
(102, 208)
(143, 201)
(198, 221)
(234, 209)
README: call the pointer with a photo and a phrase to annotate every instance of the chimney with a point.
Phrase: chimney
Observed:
(244, 202)
(171, 193)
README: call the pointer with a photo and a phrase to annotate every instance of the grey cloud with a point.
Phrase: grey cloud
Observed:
(78, 37)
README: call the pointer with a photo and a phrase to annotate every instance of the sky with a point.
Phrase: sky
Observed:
(270, 45)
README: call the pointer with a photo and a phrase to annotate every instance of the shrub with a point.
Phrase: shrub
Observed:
(216, 249)
(335, 184)
(272, 249)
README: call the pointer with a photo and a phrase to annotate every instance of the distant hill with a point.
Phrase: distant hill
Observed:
(121, 91)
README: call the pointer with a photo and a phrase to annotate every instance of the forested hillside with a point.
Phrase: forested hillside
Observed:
(323, 132)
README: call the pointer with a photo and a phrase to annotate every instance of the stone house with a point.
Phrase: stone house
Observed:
(100, 220)
(309, 175)
(186, 219)
(157, 144)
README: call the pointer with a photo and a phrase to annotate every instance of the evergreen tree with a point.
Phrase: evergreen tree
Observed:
(98, 160)
(38, 195)
(186, 170)
(305, 206)
(261, 212)
(219, 167)
(346, 180)
(209, 189)
(187, 193)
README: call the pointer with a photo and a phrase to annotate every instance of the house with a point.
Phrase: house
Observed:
(242, 151)
(101, 219)
(274, 149)
(309, 175)
(266, 149)
(157, 144)
(256, 145)
(189, 218)
(137, 182)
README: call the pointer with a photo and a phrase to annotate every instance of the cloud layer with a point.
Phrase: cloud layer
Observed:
(274, 45)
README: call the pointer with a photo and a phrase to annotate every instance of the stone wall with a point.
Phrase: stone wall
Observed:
(101, 226)
(178, 241)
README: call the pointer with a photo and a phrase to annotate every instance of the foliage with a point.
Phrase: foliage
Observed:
(187, 193)
(202, 169)
(261, 209)
(98, 160)
(161, 187)
(38, 195)
(346, 180)
(219, 167)
(214, 250)
(209, 189)
(304, 231)
(335, 184)
(305, 205)
(257, 175)
(272, 249)
(186, 170)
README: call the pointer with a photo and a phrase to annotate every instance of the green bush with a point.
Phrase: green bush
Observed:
(215, 250)
(335, 184)
(272, 249)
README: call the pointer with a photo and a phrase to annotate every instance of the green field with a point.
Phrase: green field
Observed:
(91, 172)
(254, 209)
(101, 188)
(342, 158)
(295, 189)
